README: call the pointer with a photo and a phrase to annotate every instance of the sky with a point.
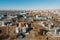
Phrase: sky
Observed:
(29, 4)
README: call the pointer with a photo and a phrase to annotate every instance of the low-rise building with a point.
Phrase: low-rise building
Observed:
(38, 17)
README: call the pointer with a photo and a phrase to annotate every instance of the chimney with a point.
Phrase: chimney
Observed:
(20, 24)
(26, 25)
(49, 27)
(55, 31)
(3, 23)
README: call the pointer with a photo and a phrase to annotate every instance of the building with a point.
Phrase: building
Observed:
(2, 16)
(38, 17)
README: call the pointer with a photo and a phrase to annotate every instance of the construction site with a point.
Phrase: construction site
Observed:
(30, 25)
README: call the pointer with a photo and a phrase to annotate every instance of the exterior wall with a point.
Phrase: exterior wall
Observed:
(4, 31)
(54, 38)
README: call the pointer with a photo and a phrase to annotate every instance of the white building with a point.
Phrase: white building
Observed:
(38, 17)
